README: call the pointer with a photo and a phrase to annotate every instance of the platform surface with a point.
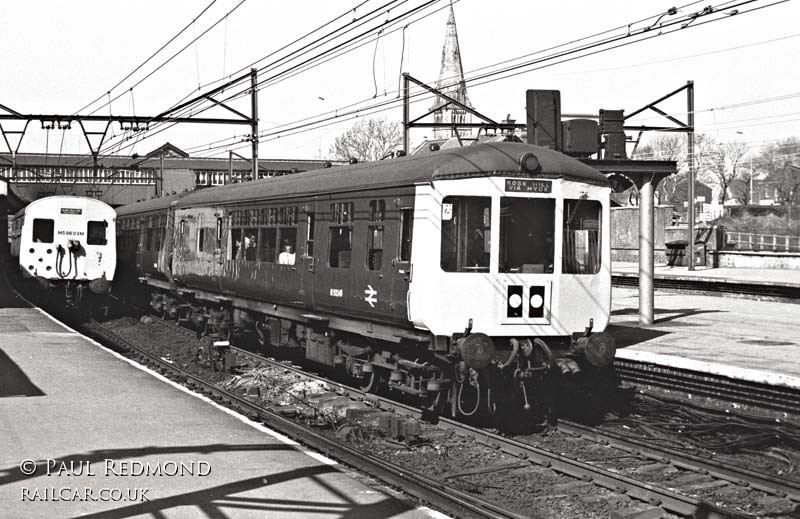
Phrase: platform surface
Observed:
(787, 277)
(85, 416)
(740, 338)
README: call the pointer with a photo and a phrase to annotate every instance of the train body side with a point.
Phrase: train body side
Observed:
(347, 252)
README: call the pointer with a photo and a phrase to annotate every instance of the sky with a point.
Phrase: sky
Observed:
(60, 56)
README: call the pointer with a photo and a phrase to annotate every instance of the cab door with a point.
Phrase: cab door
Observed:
(307, 247)
(401, 262)
(372, 269)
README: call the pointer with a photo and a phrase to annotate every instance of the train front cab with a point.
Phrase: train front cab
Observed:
(515, 278)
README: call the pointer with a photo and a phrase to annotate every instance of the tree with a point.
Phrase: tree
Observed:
(779, 162)
(666, 146)
(720, 163)
(367, 140)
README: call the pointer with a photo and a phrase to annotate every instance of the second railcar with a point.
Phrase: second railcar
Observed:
(66, 242)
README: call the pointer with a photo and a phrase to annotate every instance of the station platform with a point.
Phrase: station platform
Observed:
(734, 337)
(782, 277)
(88, 426)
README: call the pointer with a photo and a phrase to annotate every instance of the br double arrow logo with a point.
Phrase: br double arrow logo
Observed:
(369, 296)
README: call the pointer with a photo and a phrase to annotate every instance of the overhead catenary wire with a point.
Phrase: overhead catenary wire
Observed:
(489, 76)
(146, 61)
(244, 91)
(176, 54)
(514, 70)
(357, 20)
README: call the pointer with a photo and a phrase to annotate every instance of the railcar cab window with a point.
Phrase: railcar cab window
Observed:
(527, 228)
(582, 224)
(43, 230)
(466, 231)
(341, 235)
(377, 213)
(96, 232)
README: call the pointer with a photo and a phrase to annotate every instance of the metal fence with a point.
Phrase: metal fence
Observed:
(766, 242)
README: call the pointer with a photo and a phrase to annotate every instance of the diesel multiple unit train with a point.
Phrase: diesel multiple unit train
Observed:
(470, 278)
(66, 244)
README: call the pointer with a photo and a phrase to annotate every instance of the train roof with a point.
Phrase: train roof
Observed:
(73, 201)
(153, 204)
(490, 159)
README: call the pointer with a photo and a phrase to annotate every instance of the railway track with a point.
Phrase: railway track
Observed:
(710, 390)
(766, 292)
(709, 474)
(428, 491)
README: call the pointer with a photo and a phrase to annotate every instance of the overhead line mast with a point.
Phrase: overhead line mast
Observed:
(139, 123)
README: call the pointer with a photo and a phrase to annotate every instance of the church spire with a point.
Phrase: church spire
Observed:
(451, 82)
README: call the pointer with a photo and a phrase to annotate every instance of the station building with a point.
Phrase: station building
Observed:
(123, 179)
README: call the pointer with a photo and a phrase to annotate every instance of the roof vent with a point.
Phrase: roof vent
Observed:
(353, 160)
(327, 164)
(434, 147)
(400, 153)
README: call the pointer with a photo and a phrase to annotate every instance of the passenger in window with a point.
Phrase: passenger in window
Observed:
(287, 256)
(250, 248)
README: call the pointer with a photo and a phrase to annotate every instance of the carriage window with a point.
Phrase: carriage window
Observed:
(158, 233)
(526, 235)
(466, 229)
(406, 232)
(341, 247)
(582, 219)
(250, 244)
(149, 241)
(377, 210)
(288, 240)
(219, 233)
(201, 234)
(268, 250)
(43, 230)
(375, 247)
(96, 233)
(236, 244)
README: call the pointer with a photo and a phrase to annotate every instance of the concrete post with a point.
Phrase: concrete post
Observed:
(254, 120)
(646, 241)
(690, 149)
(406, 112)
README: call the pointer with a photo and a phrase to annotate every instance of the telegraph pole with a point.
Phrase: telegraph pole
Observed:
(406, 109)
(690, 148)
(254, 120)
